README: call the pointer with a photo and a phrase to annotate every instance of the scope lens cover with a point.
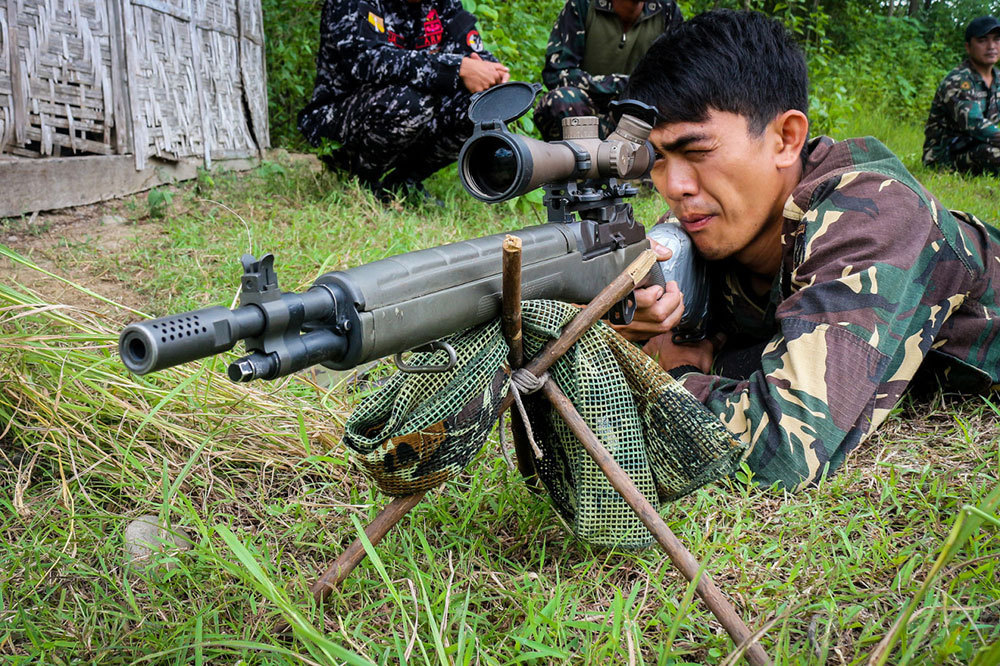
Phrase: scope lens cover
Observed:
(506, 102)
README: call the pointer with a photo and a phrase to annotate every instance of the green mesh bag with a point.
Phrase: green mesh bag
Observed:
(418, 431)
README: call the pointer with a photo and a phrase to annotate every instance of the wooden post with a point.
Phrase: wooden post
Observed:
(510, 325)
(510, 314)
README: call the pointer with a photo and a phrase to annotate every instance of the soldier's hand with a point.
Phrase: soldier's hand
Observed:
(658, 309)
(478, 74)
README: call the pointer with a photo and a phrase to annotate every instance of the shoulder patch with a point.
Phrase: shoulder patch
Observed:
(474, 41)
(965, 85)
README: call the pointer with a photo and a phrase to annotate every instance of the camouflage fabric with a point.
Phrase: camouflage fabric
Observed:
(419, 430)
(877, 280)
(387, 86)
(571, 87)
(963, 126)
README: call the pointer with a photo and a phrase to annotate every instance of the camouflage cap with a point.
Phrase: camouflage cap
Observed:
(981, 26)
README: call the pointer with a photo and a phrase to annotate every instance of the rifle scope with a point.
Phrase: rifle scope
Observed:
(497, 164)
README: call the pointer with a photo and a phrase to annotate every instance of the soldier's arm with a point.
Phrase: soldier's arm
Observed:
(461, 32)
(967, 113)
(564, 58)
(355, 42)
(860, 319)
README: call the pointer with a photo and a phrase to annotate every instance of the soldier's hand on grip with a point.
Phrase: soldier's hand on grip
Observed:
(658, 309)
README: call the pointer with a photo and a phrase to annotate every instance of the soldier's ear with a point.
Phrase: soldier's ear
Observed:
(789, 131)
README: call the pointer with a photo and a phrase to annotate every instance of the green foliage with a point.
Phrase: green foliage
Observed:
(291, 28)
(158, 201)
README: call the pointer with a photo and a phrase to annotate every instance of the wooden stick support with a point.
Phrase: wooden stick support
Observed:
(335, 574)
(682, 558)
(510, 326)
(510, 314)
(620, 287)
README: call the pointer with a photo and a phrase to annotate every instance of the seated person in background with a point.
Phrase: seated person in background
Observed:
(963, 127)
(593, 47)
(834, 274)
(393, 84)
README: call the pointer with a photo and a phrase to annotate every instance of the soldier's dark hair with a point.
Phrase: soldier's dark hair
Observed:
(736, 61)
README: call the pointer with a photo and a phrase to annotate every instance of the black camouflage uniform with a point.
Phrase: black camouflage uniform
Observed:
(388, 90)
(589, 58)
(963, 126)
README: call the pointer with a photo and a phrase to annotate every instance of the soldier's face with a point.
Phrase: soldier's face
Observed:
(725, 185)
(984, 51)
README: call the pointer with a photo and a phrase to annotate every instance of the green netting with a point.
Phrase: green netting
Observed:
(420, 430)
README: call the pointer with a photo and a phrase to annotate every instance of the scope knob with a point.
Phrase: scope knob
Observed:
(580, 127)
(621, 157)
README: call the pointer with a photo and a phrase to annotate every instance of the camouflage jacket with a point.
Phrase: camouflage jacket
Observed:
(568, 41)
(876, 278)
(390, 42)
(964, 112)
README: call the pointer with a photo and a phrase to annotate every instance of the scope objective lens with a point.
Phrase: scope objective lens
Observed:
(492, 166)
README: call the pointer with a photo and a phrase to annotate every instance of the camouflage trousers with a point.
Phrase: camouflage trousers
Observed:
(392, 134)
(981, 158)
(565, 102)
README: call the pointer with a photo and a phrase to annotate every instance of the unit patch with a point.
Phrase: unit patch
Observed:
(474, 41)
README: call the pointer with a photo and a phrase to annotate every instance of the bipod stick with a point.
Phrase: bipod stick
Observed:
(335, 574)
(679, 555)
(510, 326)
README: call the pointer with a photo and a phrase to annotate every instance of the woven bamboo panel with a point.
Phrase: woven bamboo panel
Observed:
(59, 63)
(6, 96)
(162, 82)
(191, 55)
(171, 79)
(221, 82)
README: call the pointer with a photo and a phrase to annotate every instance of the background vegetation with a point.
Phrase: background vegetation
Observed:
(482, 572)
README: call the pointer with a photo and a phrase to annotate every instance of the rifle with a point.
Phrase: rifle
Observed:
(411, 301)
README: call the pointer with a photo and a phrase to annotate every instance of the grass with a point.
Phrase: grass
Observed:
(482, 571)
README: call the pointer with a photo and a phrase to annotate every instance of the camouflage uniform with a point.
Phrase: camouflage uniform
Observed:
(387, 86)
(963, 127)
(877, 280)
(574, 91)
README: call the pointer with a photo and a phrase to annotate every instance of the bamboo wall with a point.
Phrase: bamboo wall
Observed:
(164, 79)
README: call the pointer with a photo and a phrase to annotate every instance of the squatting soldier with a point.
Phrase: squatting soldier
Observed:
(393, 85)
(835, 275)
(963, 127)
(593, 47)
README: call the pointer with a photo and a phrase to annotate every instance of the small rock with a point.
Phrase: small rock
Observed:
(11, 239)
(143, 538)
(112, 220)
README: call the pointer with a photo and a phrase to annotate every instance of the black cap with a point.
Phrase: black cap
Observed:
(981, 26)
